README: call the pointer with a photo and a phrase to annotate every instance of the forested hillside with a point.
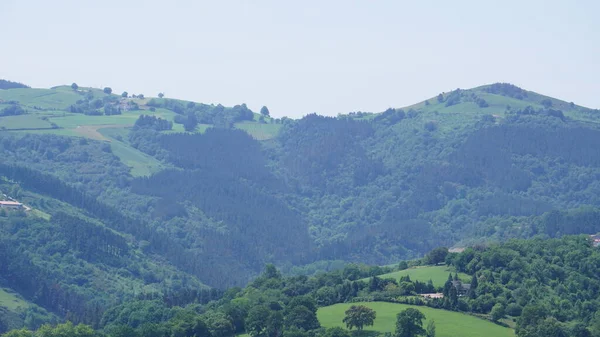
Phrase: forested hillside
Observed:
(135, 197)
(537, 287)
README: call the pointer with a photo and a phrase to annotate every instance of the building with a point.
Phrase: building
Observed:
(595, 240)
(11, 205)
(456, 250)
(433, 295)
(461, 288)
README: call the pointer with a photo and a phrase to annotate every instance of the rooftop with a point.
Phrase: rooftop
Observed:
(10, 203)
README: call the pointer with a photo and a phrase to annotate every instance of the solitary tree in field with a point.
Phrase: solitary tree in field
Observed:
(409, 323)
(265, 111)
(107, 90)
(74, 86)
(161, 95)
(358, 316)
(124, 94)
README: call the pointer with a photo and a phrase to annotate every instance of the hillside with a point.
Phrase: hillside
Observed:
(61, 261)
(448, 324)
(94, 114)
(213, 204)
(525, 288)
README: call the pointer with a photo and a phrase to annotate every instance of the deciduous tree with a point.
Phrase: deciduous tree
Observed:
(409, 323)
(357, 316)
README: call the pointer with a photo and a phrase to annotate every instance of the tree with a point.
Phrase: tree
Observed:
(302, 318)
(140, 96)
(20, 333)
(275, 324)
(271, 272)
(219, 324)
(580, 330)
(265, 111)
(546, 103)
(74, 86)
(336, 332)
(409, 323)
(498, 312)
(191, 122)
(256, 322)
(161, 95)
(107, 90)
(437, 255)
(430, 331)
(124, 94)
(358, 316)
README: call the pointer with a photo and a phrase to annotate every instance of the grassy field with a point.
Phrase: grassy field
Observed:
(140, 163)
(42, 98)
(11, 301)
(437, 274)
(448, 323)
(260, 131)
(24, 122)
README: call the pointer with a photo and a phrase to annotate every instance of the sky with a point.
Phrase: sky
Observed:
(299, 57)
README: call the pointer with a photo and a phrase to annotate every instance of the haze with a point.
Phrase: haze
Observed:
(310, 56)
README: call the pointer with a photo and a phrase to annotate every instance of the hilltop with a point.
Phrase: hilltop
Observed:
(95, 114)
(212, 193)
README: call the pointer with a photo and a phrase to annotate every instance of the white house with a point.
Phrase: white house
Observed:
(11, 204)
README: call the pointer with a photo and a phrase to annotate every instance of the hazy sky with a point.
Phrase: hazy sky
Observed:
(299, 57)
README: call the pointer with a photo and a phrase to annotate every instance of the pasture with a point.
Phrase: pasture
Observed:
(448, 323)
(437, 274)
(11, 301)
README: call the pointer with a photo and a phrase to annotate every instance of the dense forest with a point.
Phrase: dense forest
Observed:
(323, 193)
(545, 287)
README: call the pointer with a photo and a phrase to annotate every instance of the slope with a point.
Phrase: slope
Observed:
(69, 262)
(85, 112)
(448, 323)
(371, 188)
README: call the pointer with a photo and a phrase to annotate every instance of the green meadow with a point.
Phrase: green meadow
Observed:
(260, 131)
(448, 323)
(140, 163)
(437, 274)
(11, 301)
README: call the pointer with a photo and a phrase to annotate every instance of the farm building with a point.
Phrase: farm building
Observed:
(595, 239)
(461, 288)
(11, 204)
(433, 295)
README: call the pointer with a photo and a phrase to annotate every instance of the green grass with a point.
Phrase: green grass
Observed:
(437, 274)
(11, 301)
(42, 98)
(140, 163)
(23, 122)
(448, 323)
(260, 131)
(200, 128)
(71, 121)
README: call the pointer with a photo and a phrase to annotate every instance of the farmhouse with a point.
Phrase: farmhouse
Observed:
(461, 288)
(595, 239)
(11, 204)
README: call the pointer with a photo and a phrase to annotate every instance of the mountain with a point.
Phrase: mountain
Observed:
(118, 187)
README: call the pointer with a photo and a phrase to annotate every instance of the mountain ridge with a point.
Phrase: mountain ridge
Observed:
(240, 189)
